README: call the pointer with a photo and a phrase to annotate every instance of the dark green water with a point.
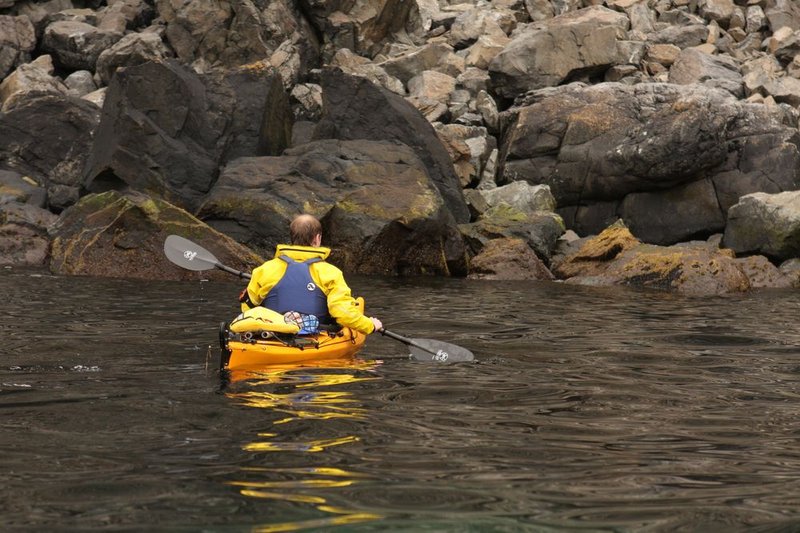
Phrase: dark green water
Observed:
(587, 409)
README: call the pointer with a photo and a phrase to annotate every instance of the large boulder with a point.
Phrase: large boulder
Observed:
(766, 224)
(540, 230)
(522, 196)
(30, 80)
(357, 65)
(431, 56)
(224, 35)
(122, 236)
(133, 49)
(23, 221)
(17, 42)
(695, 67)
(77, 45)
(683, 36)
(595, 145)
(167, 130)
(678, 214)
(551, 52)
(355, 108)
(23, 234)
(381, 212)
(592, 256)
(782, 13)
(473, 24)
(361, 26)
(47, 137)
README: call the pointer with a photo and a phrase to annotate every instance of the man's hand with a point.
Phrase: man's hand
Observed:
(377, 323)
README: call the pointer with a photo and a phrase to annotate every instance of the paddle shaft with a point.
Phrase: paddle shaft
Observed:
(404, 340)
(233, 271)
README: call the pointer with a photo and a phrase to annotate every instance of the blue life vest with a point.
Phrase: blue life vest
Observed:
(296, 291)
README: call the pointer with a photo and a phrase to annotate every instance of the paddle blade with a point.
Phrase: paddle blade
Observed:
(188, 255)
(434, 351)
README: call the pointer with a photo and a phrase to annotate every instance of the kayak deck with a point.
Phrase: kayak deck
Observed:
(257, 349)
(263, 352)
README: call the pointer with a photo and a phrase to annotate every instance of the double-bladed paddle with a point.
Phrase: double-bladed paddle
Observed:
(192, 256)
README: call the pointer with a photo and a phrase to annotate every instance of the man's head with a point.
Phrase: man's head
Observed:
(305, 230)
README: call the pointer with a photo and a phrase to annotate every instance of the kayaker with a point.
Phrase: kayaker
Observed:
(298, 279)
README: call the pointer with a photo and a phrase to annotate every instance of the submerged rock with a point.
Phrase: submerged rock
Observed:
(508, 259)
(616, 257)
(763, 274)
(593, 255)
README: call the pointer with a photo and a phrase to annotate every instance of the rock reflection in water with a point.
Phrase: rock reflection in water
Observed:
(301, 393)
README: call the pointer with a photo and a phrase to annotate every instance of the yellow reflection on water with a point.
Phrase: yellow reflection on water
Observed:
(301, 483)
(306, 404)
(302, 393)
(305, 374)
(311, 470)
(345, 519)
(310, 446)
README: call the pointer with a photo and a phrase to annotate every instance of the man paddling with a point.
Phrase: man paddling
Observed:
(298, 279)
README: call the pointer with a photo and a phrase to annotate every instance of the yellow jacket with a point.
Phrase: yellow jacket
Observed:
(341, 304)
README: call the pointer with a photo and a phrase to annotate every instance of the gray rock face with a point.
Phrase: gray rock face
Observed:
(167, 130)
(14, 187)
(767, 224)
(29, 81)
(133, 49)
(17, 41)
(558, 49)
(228, 35)
(354, 109)
(363, 26)
(48, 137)
(435, 56)
(77, 45)
(80, 83)
(597, 145)
(380, 210)
(695, 67)
(23, 234)
(782, 13)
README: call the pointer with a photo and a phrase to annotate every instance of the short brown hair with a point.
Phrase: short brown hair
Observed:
(303, 229)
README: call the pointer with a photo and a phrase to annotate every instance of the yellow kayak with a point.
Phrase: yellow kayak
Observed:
(262, 344)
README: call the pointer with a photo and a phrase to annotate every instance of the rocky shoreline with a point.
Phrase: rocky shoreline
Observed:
(648, 143)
